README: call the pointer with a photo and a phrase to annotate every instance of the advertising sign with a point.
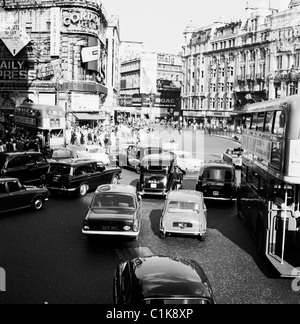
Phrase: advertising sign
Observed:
(55, 31)
(148, 73)
(13, 36)
(261, 148)
(90, 54)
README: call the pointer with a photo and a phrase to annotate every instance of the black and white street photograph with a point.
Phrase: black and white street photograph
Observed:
(149, 155)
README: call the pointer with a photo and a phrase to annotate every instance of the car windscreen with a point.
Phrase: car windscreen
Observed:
(60, 169)
(113, 201)
(183, 207)
(222, 175)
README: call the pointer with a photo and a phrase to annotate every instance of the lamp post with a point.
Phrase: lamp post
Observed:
(152, 99)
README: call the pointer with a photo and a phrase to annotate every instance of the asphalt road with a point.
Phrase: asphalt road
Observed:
(48, 260)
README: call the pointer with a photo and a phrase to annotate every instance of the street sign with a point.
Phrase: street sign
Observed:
(13, 36)
(90, 54)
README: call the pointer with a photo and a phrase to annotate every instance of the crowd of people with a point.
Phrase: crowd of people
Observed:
(21, 141)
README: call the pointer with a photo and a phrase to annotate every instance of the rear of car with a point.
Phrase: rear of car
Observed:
(158, 175)
(184, 214)
(217, 181)
(114, 211)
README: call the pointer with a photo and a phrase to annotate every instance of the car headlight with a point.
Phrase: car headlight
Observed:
(165, 181)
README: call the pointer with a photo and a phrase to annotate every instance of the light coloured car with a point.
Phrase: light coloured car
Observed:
(234, 156)
(94, 152)
(185, 213)
(186, 162)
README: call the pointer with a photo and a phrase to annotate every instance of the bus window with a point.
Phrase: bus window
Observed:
(260, 122)
(269, 122)
(279, 124)
(255, 180)
(254, 121)
(279, 195)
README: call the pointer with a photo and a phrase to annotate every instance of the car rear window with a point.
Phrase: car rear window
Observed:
(60, 169)
(187, 207)
(217, 175)
(113, 201)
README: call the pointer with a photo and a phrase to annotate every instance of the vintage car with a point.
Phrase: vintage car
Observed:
(115, 211)
(28, 167)
(234, 156)
(186, 162)
(217, 181)
(159, 280)
(132, 155)
(185, 213)
(94, 152)
(15, 196)
(79, 176)
(159, 175)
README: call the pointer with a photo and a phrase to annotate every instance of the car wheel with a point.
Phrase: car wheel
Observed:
(83, 190)
(138, 169)
(38, 204)
(114, 180)
(202, 238)
(162, 235)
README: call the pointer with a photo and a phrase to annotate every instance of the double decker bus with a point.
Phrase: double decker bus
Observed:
(269, 195)
(48, 120)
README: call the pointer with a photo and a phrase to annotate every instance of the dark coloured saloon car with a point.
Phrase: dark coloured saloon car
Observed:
(159, 175)
(161, 281)
(15, 196)
(79, 176)
(217, 181)
(115, 211)
(28, 167)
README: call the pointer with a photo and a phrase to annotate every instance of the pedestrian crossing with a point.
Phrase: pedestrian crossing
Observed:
(132, 253)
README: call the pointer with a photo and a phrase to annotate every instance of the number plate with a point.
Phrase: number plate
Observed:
(153, 185)
(110, 228)
(216, 193)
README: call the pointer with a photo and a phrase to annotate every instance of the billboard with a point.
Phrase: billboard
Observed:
(148, 78)
(13, 36)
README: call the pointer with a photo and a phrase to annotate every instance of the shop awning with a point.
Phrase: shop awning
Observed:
(89, 117)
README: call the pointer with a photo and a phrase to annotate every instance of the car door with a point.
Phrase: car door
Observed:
(16, 168)
(32, 168)
(41, 166)
(93, 175)
(4, 198)
(18, 197)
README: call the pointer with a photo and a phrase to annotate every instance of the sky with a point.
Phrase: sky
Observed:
(160, 23)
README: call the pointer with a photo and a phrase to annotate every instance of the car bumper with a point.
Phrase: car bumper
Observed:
(220, 199)
(185, 233)
(162, 193)
(108, 233)
(61, 189)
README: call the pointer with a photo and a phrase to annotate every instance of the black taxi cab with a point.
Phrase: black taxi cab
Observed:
(79, 176)
(159, 175)
(217, 181)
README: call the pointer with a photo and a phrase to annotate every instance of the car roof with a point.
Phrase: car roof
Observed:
(185, 195)
(19, 153)
(117, 189)
(5, 179)
(218, 164)
(74, 162)
(158, 277)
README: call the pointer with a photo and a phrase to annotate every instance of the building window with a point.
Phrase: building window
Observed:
(279, 62)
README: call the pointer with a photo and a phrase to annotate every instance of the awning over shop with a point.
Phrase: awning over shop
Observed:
(89, 117)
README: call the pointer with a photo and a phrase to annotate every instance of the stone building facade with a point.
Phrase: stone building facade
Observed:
(55, 64)
(230, 65)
